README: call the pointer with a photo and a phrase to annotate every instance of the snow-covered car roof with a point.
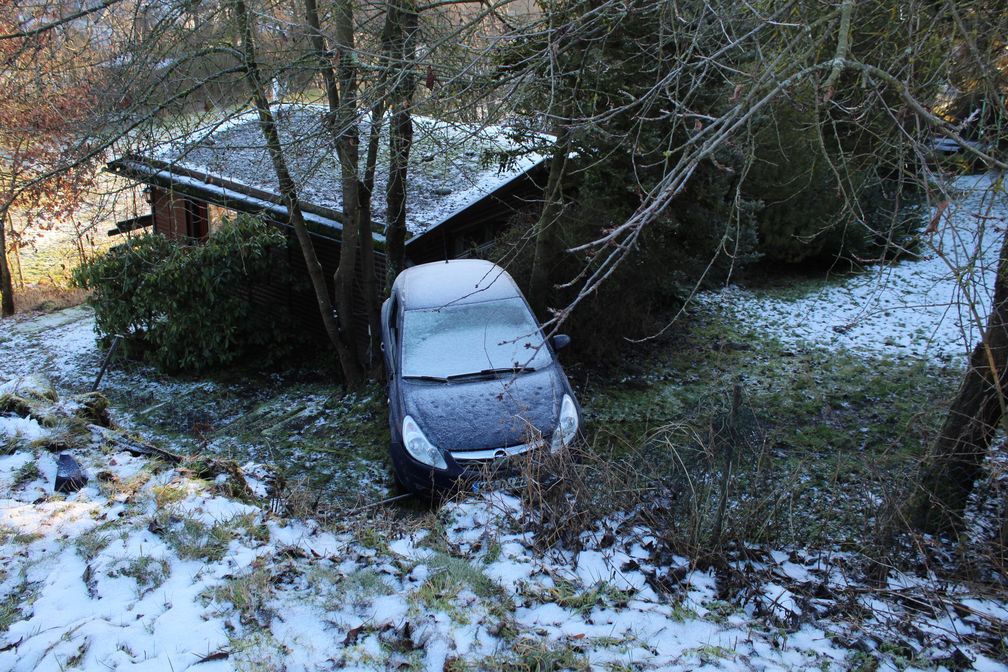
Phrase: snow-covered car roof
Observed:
(454, 282)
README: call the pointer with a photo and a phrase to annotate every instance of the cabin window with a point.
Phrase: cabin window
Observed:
(474, 241)
(196, 222)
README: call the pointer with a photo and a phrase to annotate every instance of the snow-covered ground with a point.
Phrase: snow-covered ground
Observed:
(929, 307)
(150, 568)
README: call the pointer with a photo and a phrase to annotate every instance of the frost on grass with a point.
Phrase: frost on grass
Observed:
(295, 418)
(932, 306)
(150, 567)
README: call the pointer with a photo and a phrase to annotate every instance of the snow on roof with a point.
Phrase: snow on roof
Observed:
(452, 165)
(225, 194)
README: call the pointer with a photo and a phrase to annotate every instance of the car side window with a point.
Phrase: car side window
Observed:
(394, 323)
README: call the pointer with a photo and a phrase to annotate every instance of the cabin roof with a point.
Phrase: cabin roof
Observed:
(452, 166)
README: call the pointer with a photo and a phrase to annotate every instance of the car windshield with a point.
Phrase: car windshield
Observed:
(471, 338)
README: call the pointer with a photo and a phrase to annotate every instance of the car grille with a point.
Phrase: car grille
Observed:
(490, 454)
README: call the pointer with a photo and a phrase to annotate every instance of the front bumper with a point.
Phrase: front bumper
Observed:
(460, 474)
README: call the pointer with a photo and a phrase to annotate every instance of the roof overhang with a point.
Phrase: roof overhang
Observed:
(224, 192)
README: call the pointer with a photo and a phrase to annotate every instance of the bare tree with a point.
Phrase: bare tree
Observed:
(401, 48)
(348, 361)
(45, 103)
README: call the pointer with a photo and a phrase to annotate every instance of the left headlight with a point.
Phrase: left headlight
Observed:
(419, 447)
(567, 427)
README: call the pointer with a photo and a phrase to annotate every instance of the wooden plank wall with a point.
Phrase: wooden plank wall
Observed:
(175, 214)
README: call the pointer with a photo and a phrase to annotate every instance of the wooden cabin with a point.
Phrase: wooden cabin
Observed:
(457, 200)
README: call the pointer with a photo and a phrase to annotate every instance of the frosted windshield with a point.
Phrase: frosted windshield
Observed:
(470, 338)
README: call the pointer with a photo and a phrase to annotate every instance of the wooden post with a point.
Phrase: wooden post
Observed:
(105, 362)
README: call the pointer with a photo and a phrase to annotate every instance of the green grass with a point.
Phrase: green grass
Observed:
(301, 422)
(12, 535)
(26, 473)
(829, 431)
(94, 541)
(536, 655)
(370, 537)
(449, 576)
(465, 573)
(194, 540)
(148, 572)
(13, 603)
(257, 650)
(439, 593)
(810, 399)
(363, 585)
(167, 494)
(248, 594)
(47, 263)
(581, 600)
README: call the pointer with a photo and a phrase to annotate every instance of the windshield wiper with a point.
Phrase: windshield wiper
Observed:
(486, 373)
(429, 379)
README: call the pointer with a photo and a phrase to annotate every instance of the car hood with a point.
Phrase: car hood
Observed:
(482, 414)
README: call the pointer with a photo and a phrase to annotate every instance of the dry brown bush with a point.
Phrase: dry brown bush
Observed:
(45, 297)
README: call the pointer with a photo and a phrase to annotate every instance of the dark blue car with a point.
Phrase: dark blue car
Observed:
(472, 381)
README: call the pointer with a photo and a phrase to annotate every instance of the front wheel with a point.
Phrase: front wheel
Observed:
(396, 486)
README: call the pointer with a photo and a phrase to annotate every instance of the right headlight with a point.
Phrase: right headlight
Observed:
(419, 447)
(567, 428)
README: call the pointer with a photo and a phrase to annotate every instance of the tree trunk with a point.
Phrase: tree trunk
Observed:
(344, 127)
(6, 284)
(366, 190)
(370, 282)
(402, 46)
(288, 190)
(956, 457)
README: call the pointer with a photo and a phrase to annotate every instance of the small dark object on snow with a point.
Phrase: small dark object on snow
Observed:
(69, 475)
(220, 654)
(441, 191)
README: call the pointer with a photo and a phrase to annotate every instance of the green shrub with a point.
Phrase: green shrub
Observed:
(193, 306)
(821, 204)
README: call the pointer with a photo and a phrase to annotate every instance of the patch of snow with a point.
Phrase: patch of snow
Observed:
(26, 429)
(30, 385)
(11, 463)
(105, 576)
(933, 307)
(211, 510)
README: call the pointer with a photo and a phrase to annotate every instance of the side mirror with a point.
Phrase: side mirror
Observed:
(560, 341)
